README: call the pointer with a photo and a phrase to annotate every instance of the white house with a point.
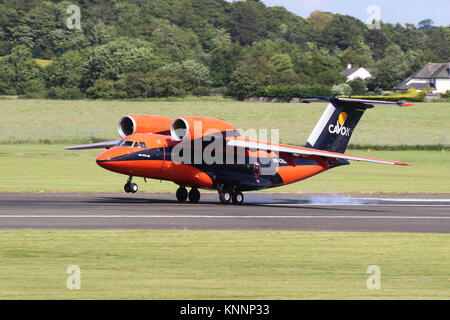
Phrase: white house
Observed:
(434, 76)
(354, 73)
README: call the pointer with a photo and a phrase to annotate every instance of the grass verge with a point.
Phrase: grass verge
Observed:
(51, 121)
(223, 265)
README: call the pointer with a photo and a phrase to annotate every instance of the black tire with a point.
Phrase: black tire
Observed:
(182, 194)
(238, 198)
(134, 188)
(225, 196)
(194, 196)
(127, 188)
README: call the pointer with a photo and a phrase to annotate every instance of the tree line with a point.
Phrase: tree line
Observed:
(161, 48)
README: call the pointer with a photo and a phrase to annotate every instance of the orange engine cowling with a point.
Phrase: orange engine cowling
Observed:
(191, 128)
(133, 124)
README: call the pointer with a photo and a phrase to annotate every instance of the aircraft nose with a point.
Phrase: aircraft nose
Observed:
(109, 160)
(103, 159)
(103, 156)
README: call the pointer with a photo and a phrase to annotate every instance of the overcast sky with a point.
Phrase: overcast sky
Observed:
(402, 11)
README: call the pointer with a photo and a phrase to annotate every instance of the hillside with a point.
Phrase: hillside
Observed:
(141, 49)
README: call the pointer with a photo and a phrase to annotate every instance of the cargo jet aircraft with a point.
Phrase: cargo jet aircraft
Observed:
(207, 153)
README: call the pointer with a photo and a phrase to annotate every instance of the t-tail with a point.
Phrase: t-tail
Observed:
(338, 122)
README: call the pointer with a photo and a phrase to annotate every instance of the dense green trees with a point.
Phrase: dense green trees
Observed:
(248, 22)
(20, 75)
(115, 58)
(141, 49)
(342, 32)
(68, 71)
(175, 42)
(395, 65)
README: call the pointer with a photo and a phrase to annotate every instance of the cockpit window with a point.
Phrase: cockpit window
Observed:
(126, 143)
(132, 144)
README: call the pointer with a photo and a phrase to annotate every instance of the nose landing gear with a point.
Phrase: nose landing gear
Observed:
(130, 187)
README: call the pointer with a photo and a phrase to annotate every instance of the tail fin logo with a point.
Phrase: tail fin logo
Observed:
(339, 127)
(342, 118)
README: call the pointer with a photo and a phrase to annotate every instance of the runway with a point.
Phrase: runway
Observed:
(261, 211)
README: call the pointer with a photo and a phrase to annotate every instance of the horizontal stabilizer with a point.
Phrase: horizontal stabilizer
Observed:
(367, 102)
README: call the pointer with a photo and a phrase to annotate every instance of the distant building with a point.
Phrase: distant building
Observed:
(354, 73)
(434, 76)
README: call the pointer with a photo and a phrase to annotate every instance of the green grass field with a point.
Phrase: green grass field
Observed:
(49, 168)
(33, 121)
(223, 265)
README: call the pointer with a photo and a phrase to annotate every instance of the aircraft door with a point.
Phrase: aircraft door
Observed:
(257, 169)
(167, 165)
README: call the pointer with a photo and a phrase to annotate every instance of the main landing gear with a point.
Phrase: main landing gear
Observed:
(130, 187)
(228, 195)
(193, 195)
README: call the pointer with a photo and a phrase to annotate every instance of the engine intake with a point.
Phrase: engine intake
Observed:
(179, 130)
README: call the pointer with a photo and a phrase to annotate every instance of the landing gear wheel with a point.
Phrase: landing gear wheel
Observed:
(225, 196)
(238, 198)
(134, 188)
(182, 194)
(194, 195)
(130, 187)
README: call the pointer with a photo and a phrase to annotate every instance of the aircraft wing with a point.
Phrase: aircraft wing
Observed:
(240, 142)
(100, 145)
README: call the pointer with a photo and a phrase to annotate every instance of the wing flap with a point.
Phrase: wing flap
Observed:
(294, 150)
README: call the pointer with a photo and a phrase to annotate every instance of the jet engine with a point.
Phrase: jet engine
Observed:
(133, 124)
(191, 128)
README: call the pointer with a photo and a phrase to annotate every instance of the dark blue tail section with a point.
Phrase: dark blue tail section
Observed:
(336, 126)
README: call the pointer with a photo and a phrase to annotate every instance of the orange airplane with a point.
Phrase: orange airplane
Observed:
(207, 153)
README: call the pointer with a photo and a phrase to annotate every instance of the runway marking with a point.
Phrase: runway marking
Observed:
(351, 205)
(404, 199)
(216, 217)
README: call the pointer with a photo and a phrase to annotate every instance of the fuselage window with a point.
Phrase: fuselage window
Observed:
(142, 145)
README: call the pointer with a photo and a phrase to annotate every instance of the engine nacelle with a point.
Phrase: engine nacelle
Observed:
(133, 124)
(191, 128)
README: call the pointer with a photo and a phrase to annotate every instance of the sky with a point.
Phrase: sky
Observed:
(393, 11)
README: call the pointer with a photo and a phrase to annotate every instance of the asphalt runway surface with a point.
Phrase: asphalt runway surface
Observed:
(261, 211)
